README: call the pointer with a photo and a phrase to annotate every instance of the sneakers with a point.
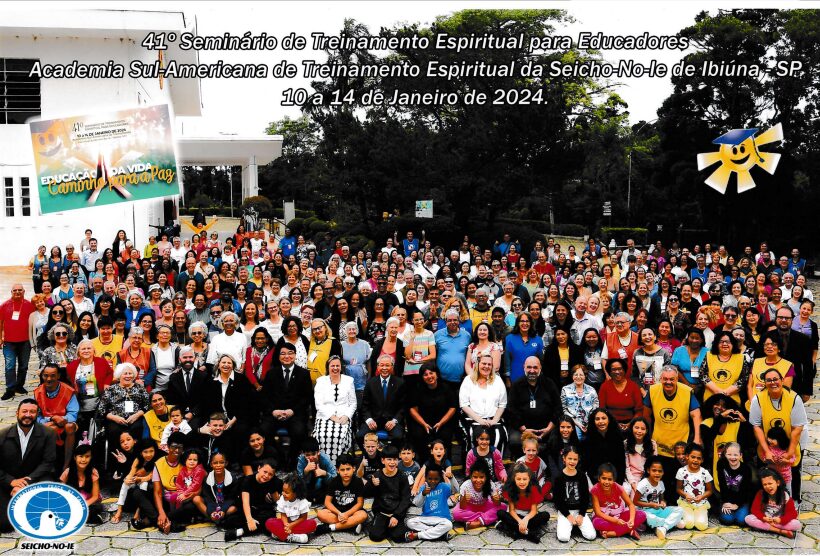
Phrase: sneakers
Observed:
(411, 536)
(359, 528)
(322, 529)
(231, 535)
(299, 539)
(9, 394)
(660, 532)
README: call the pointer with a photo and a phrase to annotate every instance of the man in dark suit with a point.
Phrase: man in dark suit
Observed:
(287, 396)
(186, 387)
(27, 455)
(383, 403)
(797, 348)
(534, 405)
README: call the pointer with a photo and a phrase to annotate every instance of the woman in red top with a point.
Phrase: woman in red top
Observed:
(619, 395)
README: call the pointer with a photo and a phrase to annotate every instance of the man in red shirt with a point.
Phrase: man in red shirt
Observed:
(544, 267)
(14, 340)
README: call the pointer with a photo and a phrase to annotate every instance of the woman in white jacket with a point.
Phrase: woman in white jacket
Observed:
(335, 399)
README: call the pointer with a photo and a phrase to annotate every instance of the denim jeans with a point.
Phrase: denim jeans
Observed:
(17, 355)
(737, 517)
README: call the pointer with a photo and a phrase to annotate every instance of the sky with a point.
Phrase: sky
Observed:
(245, 107)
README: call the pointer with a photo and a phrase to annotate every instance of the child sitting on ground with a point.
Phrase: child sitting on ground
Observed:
(694, 489)
(571, 498)
(391, 499)
(773, 509)
(522, 519)
(435, 522)
(292, 523)
(480, 500)
(649, 496)
(315, 470)
(344, 500)
(615, 513)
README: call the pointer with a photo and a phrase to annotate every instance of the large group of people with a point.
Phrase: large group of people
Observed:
(241, 382)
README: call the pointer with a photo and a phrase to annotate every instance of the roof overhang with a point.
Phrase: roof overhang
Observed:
(228, 150)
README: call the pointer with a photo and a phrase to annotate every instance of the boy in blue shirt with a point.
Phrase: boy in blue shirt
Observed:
(435, 521)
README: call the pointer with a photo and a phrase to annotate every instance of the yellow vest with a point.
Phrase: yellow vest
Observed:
(477, 316)
(721, 440)
(168, 474)
(756, 377)
(155, 425)
(671, 418)
(723, 374)
(109, 351)
(317, 359)
(772, 417)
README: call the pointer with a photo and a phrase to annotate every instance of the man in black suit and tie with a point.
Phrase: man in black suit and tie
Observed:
(797, 348)
(383, 403)
(186, 387)
(27, 455)
(287, 395)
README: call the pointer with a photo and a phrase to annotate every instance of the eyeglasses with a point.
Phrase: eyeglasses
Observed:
(60, 334)
(317, 329)
(58, 312)
(730, 316)
(674, 300)
(197, 333)
(772, 380)
(784, 318)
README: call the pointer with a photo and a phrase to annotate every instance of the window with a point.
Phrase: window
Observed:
(19, 93)
(9, 196)
(25, 196)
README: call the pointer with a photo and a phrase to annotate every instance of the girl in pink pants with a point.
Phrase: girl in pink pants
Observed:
(615, 513)
(480, 502)
(773, 509)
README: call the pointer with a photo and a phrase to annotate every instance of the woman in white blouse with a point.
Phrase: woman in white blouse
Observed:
(166, 355)
(335, 400)
(483, 399)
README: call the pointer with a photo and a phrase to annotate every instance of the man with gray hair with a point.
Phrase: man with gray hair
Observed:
(451, 349)
(622, 344)
(186, 387)
(383, 402)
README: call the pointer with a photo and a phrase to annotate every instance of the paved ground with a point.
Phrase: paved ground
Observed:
(117, 539)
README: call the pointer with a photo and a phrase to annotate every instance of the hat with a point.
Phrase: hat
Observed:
(153, 287)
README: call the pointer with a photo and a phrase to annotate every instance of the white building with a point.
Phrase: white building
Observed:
(95, 37)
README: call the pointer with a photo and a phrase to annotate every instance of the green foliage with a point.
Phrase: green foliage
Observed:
(262, 205)
(200, 200)
(620, 235)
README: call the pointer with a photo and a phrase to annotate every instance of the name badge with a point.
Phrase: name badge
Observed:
(532, 404)
(695, 372)
(15, 315)
(596, 364)
(622, 353)
(564, 365)
(313, 356)
(90, 390)
(128, 406)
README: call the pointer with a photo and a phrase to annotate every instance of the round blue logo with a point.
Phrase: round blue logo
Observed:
(47, 511)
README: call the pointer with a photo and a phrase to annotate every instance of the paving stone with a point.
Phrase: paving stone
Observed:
(466, 541)
(126, 542)
(679, 545)
(185, 547)
(114, 552)
(739, 537)
(92, 545)
(149, 549)
(709, 541)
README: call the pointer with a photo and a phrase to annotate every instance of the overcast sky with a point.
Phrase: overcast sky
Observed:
(247, 106)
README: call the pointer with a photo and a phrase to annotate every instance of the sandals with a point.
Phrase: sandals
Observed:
(116, 518)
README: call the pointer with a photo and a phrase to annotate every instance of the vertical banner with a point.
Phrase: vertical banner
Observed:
(103, 159)
(424, 209)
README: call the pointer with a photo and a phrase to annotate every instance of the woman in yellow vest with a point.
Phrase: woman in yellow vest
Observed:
(724, 423)
(772, 347)
(724, 370)
(322, 346)
(158, 417)
(780, 407)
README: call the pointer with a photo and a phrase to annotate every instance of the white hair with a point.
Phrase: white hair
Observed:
(122, 367)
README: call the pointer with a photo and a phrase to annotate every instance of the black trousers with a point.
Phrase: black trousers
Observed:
(145, 503)
(421, 440)
(297, 431)
(536, 526)
(379, 530)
